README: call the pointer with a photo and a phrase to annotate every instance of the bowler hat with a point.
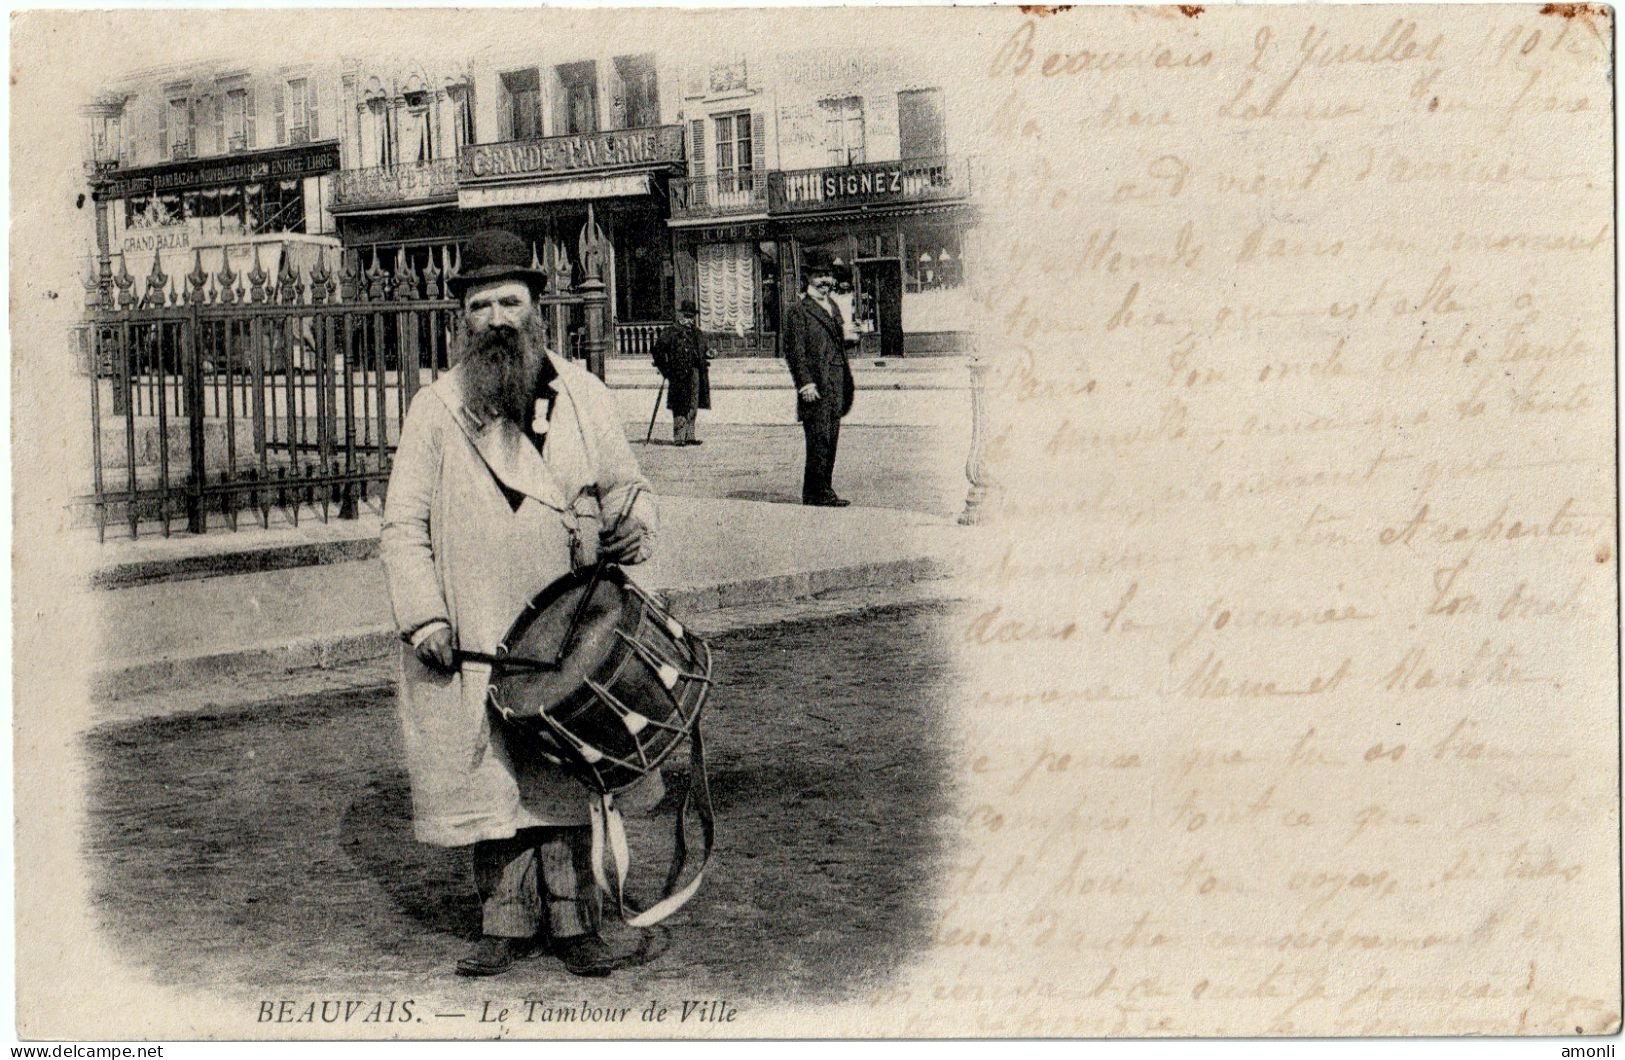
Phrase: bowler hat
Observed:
(816, 263)
(495, 254)
(688, 306)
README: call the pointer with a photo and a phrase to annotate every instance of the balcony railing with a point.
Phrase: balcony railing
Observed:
(719, 195)
(238, 142)
(403, 183)
(181, 151)
(869, 184)
(299, 134)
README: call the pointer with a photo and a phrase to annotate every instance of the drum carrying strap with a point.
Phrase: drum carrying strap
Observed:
(607, 827)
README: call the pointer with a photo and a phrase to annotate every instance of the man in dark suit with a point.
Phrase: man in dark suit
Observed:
(815, 349)
(681, 356)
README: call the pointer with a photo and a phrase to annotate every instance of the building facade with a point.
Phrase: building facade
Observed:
(709, 180)
(233, 159)
(841, 152)
(534, 143)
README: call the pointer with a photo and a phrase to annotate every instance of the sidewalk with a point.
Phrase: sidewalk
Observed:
(173, 617)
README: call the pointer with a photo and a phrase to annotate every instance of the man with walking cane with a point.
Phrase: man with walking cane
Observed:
(681, 356)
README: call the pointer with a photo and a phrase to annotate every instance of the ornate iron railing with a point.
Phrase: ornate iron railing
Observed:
(718, 195)
(230, 397)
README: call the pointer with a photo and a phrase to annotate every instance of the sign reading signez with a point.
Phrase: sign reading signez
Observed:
(872, 182)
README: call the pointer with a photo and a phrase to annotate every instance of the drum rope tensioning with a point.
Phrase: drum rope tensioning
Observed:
(598, 677)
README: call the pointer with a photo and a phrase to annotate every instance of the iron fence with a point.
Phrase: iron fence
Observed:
(229, 398)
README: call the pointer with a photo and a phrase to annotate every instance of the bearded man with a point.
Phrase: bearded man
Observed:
(511, 471)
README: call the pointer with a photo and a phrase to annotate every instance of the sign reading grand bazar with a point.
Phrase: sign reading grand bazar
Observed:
(561, 154)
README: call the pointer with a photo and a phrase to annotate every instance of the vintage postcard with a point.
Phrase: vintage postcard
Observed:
(835, 522)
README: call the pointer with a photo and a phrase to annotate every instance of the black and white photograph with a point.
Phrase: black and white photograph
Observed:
(1001, 522)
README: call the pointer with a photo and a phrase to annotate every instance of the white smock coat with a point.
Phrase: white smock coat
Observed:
(456, 550)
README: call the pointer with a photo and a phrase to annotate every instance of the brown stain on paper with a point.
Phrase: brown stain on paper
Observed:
(1585, 11)
(1190, 10)
(1043, 11)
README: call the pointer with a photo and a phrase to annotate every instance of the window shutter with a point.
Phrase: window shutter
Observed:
(696, 147)
(220, 123)
(279, 105)
(758, 143)
(313, 109)
(163, 128)
(248, 115)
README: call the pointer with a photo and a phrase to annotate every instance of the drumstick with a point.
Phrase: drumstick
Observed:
(503, 662)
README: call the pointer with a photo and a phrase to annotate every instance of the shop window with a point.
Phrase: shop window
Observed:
(734, 152)
(640, 95)
(919, 124)
(578, 96)
(521, 105)
(843, 130)
(727, 284)
(931, 261)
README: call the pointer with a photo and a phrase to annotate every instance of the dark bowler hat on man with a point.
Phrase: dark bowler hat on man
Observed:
(816, 263)
(496, 254)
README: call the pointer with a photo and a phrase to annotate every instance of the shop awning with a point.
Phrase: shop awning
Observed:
(604, 187)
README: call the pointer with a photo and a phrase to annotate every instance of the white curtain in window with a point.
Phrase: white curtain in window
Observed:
(727, 282)
(422, 134)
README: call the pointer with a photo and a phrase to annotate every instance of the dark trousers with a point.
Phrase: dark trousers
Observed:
(539, 878)
(823, 430)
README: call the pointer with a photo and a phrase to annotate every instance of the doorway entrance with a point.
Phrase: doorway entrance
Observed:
(880, 294)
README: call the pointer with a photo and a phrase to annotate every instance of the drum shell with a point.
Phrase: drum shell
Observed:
(628, 710)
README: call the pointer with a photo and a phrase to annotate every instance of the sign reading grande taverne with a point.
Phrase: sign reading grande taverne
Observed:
(564, 154)
(230, 169)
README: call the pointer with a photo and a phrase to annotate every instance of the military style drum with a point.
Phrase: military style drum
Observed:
(595, 675)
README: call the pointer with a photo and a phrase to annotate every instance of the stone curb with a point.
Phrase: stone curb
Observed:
(227, 562)
(326, 651)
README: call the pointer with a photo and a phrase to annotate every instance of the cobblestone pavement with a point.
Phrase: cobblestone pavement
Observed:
(260, 854)
(915, 468)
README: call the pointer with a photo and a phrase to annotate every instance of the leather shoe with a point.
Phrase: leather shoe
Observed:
(586, 955)
(695, 441)
(495, 954)
(831, 501)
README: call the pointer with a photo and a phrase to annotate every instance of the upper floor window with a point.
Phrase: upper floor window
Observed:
(920, 130)
(734, 146)
(299, 129)
(843, 130)
(640, 95)
(181, 127)
(578, 96)
(237, 120)
(107, 137)
(521, 105)
(378, 132)
(419, 141)
(461, 98)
